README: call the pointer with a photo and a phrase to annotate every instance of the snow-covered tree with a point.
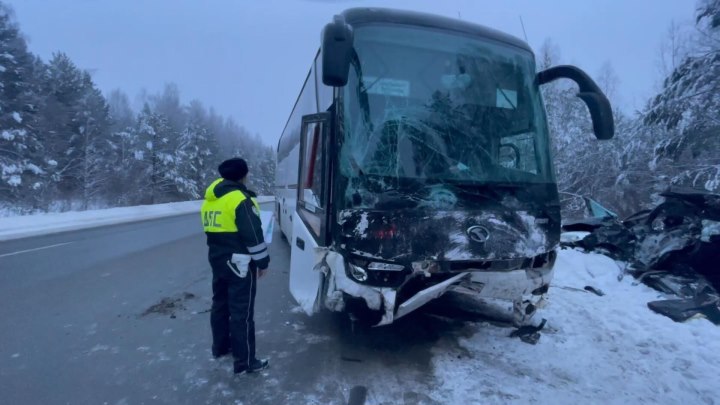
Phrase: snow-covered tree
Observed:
(584, 165)
(169, 105)
(197, 152)
(569, 128)
(122, 184)
(121, 113)
(62, 142)
(262, 179)
(93, 117)
(708, 14)
(22, 160)
(685, 115)
(76, 130)
(157, 158)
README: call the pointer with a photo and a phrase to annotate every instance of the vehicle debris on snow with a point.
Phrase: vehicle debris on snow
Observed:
(674, 248)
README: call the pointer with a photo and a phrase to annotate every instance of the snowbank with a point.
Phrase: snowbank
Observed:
(594, 349)
(43, 224)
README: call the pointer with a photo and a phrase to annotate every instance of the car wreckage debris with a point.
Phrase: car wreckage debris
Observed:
(594, 290)
(673, 248)
(528, 333)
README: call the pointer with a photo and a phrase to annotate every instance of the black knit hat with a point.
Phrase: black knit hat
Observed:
(234, 169)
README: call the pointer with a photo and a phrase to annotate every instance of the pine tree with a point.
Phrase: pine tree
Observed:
(122, 185)
(168, 105)
(22, 162)
(263, 179)
(93, 117)
(159, 165)
(63, 88)
(197, 148)
(76, 124)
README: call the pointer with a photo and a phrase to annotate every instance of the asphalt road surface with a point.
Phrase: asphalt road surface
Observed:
(120, 315)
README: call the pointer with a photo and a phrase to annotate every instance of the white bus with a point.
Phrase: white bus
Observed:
(416, 160)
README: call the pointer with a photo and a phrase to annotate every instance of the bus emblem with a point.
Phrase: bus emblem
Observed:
(478, 234)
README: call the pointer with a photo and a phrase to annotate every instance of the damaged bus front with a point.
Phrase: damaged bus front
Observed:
(417, 160)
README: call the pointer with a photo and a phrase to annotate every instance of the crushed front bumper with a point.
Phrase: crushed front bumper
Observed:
(524, 288)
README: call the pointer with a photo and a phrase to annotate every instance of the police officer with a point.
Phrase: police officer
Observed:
(238, 256)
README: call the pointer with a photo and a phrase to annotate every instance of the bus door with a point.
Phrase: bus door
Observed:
(311, 214)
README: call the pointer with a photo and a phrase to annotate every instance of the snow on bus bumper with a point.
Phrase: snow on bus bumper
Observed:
(523, 287)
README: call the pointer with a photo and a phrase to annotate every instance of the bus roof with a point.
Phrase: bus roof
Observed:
(359, 16)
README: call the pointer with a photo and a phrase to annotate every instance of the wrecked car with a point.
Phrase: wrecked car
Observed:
(416, 160)
(674, 248)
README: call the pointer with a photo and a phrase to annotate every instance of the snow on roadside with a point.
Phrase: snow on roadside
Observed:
(41, 224)
(610, 349)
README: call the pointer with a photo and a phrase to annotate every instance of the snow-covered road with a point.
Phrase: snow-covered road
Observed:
(96, 344)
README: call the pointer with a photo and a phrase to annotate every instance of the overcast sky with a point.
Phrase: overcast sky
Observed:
(248, 58)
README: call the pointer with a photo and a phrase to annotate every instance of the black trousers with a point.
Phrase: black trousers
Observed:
(232, 317)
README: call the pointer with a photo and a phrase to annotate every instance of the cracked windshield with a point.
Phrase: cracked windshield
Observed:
(469, 114)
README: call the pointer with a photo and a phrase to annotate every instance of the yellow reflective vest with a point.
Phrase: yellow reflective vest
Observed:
(218, 214)
(231, 223)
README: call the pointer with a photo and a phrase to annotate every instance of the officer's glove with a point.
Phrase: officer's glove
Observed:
(241, 263)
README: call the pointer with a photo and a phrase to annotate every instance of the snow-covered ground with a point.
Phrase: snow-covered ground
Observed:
(42, 224)
(607, 349)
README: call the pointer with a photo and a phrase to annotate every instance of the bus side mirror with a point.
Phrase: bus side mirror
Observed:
(337, 45)
(590, 93)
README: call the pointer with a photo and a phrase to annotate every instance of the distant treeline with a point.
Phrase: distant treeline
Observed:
(64, 145)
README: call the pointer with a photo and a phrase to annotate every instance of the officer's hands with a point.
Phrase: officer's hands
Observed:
(261, 273)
